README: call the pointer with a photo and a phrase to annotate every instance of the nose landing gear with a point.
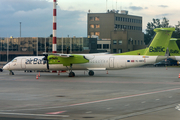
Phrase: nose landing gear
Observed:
(11, 72)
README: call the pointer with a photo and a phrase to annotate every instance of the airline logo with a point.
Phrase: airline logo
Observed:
(174, 51)
(156, 49)
(35, 61)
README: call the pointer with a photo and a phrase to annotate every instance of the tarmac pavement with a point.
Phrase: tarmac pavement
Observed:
(130, 94)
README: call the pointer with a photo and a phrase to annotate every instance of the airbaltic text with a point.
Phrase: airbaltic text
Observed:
(35, 61)
(156, 49)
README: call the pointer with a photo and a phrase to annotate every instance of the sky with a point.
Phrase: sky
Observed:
(36, 16)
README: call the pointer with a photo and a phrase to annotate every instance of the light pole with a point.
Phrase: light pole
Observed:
(20, 29)
(7, 49)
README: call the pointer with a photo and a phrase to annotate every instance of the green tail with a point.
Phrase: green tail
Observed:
(158, 45)
(160, 42)
(173, 47)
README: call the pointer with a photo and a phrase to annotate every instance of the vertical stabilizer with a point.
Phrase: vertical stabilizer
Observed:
(173, 47)
(160, 42)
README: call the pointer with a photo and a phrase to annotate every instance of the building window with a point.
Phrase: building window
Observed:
(114, 51)
(99, 46)
(120, 50)
(91, 18)
(120, 42)
(126, 19)
(114, 42)
(92, 33)
(141, 42)
(135, 42)
(97, 26)
(129, 41)
(138, 42)
(116, 18)
(91, 26)
(105, 46)
(96, 18)
(97, 33)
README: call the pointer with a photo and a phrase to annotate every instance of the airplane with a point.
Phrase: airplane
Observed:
(174, 49)
(94, 62)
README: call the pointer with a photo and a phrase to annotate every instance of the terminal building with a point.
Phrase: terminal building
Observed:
(13, 47)
(123, 31)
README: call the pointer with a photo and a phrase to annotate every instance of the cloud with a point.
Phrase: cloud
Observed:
(135, 8)
(163, 15)
(163, 6)
(37, 17)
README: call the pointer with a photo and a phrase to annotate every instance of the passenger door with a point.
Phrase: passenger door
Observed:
(23, 63)
(111, 62)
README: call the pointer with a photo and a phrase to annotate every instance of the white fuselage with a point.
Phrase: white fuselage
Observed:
(96, 62)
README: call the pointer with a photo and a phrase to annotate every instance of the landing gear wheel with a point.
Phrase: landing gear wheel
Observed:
(91, 73)
(11, 72)
(71, 74)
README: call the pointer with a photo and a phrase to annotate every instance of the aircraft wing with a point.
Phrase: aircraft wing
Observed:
(60, 55)
(65, 59)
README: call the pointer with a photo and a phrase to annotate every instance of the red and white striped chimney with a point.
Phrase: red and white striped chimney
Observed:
(54, 46)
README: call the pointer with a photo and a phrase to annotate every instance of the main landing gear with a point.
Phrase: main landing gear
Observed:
(71, 73)
(11, 72)
(91, 73)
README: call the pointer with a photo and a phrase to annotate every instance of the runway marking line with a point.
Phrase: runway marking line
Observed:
(56, 113)
(113, 82)
(29, 114)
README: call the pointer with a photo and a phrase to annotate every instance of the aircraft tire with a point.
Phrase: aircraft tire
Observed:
(71, 74)
(11, 73)
(91, 73)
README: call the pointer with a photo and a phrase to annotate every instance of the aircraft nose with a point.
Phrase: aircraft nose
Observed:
(6, 67)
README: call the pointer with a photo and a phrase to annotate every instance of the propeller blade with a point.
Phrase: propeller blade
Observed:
(46, 57)
(47, 49)
(67, 50)
(47, 64)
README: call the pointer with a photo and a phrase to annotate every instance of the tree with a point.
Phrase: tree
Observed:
(51, 35)
(152, 25)
(176, 33)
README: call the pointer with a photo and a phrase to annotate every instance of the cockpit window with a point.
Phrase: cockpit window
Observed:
(15, 60)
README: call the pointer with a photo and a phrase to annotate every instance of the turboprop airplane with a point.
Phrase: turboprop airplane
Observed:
(55, 61)
(174, 49)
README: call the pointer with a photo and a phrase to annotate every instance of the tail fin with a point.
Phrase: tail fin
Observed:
(158, 45)
(160, 42)
(173, 47)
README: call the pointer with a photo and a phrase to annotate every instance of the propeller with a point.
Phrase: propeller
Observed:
(67, 50)
(46, 58)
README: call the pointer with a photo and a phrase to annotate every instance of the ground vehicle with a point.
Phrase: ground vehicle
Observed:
(168, 62)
